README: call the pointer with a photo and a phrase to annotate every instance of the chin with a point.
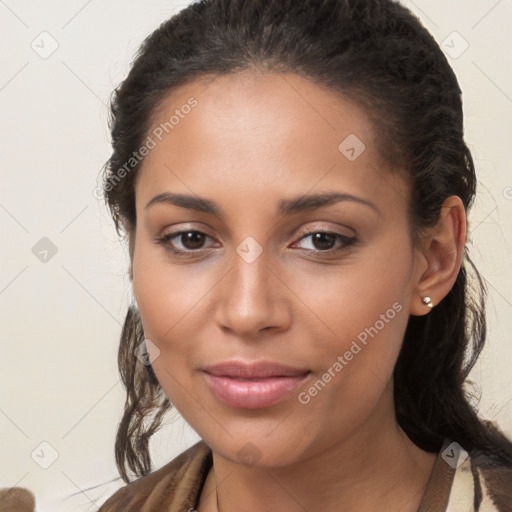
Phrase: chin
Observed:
(263, 451)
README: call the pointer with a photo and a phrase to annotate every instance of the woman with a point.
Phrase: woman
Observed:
(293, 182)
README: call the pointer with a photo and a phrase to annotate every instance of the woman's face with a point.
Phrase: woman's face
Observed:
(309, 325)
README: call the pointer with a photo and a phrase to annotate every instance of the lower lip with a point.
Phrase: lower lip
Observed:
(253, 393)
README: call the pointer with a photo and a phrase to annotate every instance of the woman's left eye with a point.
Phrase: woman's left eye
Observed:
(192, 241)
(324, 241)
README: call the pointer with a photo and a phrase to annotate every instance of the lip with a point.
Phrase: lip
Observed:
(253, 385)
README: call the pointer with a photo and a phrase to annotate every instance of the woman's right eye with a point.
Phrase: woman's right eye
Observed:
(191, 241)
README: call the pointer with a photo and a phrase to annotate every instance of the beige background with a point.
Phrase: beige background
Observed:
(61, 319)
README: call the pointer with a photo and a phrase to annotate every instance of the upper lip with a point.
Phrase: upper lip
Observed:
(253, 370)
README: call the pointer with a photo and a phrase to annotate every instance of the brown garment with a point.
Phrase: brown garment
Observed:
(458, 483)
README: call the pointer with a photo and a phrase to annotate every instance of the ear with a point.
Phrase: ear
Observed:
(443, 250)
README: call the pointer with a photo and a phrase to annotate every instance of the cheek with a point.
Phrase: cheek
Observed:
(355, 359)
(350, 300)
(167, 295)
(174, 302)
(166, 298)
(364, 313)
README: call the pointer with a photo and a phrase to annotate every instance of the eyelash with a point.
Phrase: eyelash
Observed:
(346, 240)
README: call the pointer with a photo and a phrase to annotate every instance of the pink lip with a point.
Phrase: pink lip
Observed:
(253, 385)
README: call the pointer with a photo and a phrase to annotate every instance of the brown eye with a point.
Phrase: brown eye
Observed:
(324, 242)
(183, 242)
(191, 239)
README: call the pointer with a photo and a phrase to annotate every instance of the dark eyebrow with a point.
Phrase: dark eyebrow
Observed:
(286, 206)
(185, 201)
(312, 201)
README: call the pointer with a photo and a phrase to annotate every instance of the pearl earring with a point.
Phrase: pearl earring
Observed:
(427, 302)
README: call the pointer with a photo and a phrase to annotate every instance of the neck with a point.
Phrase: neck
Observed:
(376, 468)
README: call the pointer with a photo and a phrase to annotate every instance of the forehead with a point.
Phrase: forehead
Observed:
(255, 110)
(256, 133)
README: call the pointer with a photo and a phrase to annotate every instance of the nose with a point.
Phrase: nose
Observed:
(253, 298)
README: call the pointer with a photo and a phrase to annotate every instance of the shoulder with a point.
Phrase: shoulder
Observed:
(482, 481)
(492, 471)
(178, 482)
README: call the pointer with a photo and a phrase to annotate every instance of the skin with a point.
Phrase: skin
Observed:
(252, 140)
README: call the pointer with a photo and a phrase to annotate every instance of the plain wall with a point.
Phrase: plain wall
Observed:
(61, 318)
